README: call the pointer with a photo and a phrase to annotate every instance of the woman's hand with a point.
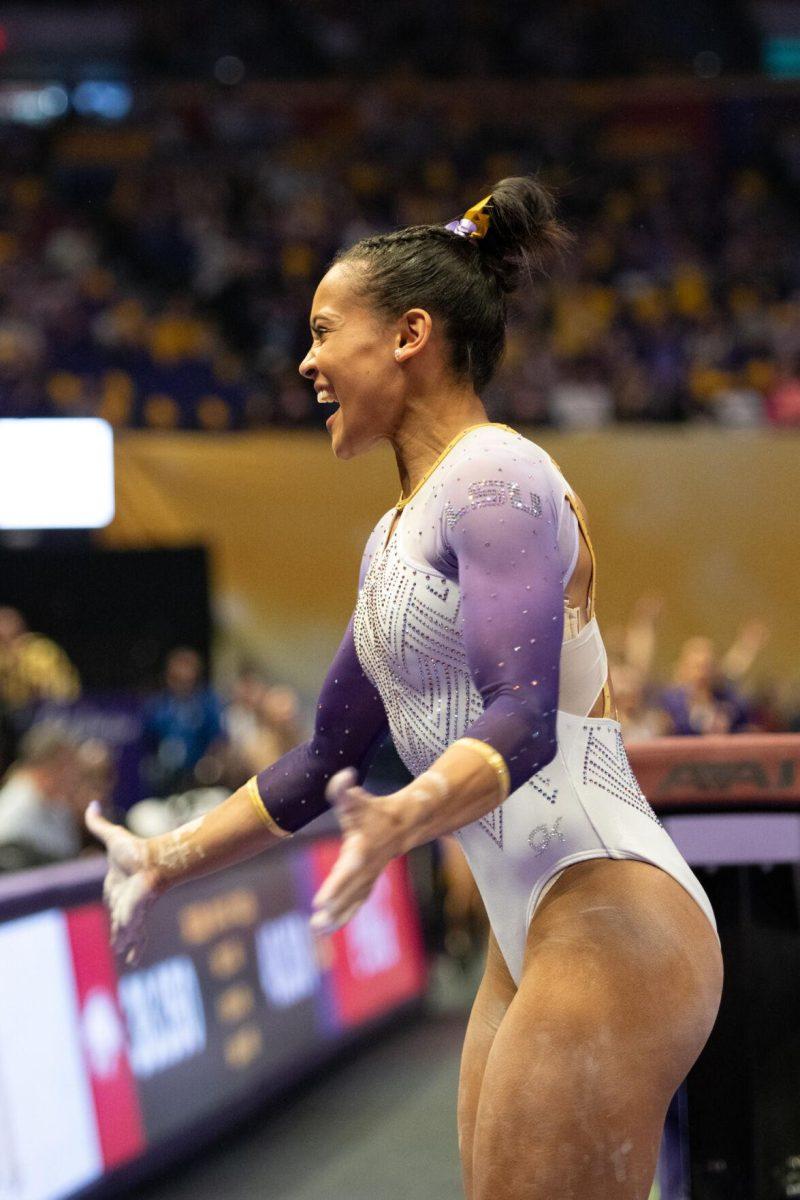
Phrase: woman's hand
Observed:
(369, 841)
(130, 887)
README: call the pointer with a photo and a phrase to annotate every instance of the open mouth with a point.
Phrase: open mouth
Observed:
(324, 396)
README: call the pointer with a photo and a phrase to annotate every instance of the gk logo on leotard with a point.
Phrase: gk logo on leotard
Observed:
(491, 493)
(544, 835)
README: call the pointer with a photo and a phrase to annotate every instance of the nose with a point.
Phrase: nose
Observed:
(308, 367)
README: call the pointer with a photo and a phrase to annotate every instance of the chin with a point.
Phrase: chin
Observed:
(339, 443)
(348, 445)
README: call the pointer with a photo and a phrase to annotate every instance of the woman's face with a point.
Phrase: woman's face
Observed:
(352, 364)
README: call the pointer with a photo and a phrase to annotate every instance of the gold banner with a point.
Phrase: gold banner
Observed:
(707, 517)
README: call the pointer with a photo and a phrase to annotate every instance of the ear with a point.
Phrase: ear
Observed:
(413, 334)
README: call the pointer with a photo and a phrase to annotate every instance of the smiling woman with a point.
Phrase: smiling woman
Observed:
(389, 297)
(475, 642)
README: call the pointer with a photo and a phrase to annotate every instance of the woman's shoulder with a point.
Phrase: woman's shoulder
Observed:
(498, 452)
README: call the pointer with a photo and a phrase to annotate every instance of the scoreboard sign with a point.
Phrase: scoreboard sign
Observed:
(100, 1064)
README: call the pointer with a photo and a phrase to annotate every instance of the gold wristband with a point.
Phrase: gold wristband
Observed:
(493, 758)
(251, 787)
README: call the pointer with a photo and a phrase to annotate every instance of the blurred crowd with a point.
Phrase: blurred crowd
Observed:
(159, 272)
(198, 742)
(576, 39)
(708, 691)
(195, 745)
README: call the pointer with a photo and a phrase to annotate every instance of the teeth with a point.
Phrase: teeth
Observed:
(324, 397)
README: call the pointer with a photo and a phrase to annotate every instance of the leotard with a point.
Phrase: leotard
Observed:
(459, 631)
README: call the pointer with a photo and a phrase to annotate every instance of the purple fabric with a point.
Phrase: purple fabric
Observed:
(502, 537)
(350, 724)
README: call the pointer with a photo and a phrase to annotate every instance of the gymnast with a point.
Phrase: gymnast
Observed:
(475, 643)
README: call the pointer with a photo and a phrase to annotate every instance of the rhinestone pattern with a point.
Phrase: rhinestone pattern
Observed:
(492, 824)
(544, 786)
(540, 838)
(491, 493)
(608, 768)
(408, 636)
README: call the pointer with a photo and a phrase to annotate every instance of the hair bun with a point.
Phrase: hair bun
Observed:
(523, 230)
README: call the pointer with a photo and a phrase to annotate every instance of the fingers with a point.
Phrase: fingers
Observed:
(348, 866)
(126, 852)
(348, 884)
(129, 900)
(339, 784)
(133, 948)
(97, 824)
(337, 920)
(348, 800)
(129, 940)
(353, 874)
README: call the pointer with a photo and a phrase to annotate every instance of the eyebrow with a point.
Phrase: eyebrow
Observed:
(322, 316)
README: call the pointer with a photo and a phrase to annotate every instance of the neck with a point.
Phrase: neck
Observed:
(429, 423)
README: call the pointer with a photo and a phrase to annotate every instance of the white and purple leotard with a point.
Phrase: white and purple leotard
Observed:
(459, 630)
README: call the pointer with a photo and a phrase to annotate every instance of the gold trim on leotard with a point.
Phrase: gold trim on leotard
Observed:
(495, 760)
(608, 705)
(404, 500)
(585, 531)
(254, 795)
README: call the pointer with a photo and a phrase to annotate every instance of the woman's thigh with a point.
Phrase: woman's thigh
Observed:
(495, 993)
(619, 992)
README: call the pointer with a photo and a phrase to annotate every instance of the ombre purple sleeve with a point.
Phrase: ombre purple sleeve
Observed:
(501, 536)
(350, 724)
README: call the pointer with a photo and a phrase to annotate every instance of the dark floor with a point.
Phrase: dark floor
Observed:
(379, 1126)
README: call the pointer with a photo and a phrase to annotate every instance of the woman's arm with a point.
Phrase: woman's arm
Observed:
(350, 721)
(512, 606)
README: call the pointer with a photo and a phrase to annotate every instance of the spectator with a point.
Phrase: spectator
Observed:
(261, 723)
(281, 709)
(38, 821)
(97, 776)
(32, 668)
(751, 638)
(182, 728)
(783, 402)
(640, 717)
(703, 700)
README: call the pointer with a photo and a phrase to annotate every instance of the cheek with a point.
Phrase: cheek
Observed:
(354, 368)
(362, 375)
(374, 366)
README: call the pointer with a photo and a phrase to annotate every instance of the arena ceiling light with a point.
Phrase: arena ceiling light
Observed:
(56, 474)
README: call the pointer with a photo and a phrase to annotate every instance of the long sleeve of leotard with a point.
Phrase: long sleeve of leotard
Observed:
(499, 533)
(350, 723)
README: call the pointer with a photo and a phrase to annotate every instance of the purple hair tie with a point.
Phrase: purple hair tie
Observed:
(463, 227)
